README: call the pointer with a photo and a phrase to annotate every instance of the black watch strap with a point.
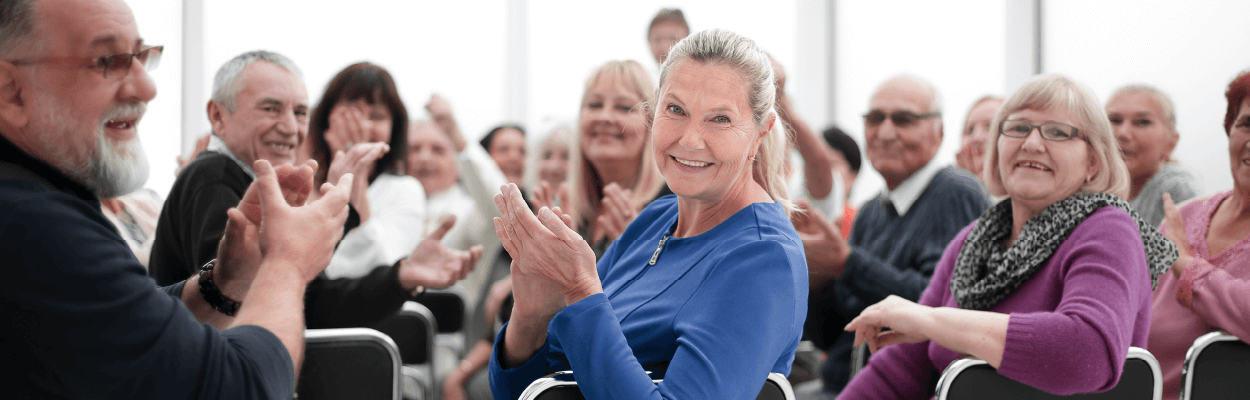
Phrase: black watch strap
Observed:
(212, 294)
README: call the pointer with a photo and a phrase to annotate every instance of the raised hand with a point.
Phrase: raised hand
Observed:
(905, 319)
(616, 212)
(546, 196)
(434, 266)
(358, 161)
(300, 238)
(546, 253)
(238, 254)
(440, 112)
(823, 244)
(348, 126)
(1174, 230)
(971, 156)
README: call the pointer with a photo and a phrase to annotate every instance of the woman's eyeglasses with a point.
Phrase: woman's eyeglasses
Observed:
(900, 118)
(150, 58)
(1053, 131)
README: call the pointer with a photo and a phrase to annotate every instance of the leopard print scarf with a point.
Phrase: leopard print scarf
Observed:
(986, 272)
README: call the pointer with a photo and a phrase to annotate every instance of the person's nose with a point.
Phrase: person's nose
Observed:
(137, 85)
(288, 125)
(1034, 142)
(1121, 132)
(692, 139)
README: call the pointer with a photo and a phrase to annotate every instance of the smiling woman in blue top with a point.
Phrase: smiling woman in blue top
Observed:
(711, 281)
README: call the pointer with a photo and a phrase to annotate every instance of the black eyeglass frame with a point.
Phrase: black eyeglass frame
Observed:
(894, 117)
(150, 58)
(1076, 132)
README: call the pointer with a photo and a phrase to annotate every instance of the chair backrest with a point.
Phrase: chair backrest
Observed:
(859, 358)
(449, 307)
(975, 379)
(349, 363)
(561, 386)
(412, 329)
(1216, 367)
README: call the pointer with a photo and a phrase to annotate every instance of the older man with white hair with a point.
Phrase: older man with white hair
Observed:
(899, 236)
(82, 320)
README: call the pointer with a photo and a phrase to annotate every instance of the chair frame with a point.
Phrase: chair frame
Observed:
(564, 378)
(1191, 357)
(315, 336)
(958, 366)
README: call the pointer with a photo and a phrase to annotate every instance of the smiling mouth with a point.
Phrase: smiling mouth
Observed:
(280, 147)
(1033, 166)
(120, 124)
(691, 163)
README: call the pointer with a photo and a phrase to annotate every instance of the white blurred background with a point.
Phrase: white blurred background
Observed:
(526, 62)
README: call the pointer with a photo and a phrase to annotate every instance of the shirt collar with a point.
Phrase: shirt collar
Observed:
(219, 146)
(906, 194)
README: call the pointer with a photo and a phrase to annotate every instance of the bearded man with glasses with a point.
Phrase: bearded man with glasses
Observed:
(899, 236)
(82, 319)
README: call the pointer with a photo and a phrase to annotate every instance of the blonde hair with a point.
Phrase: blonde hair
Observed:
(1160, 98)
(562, 134)
(586, 187)
(1054, 91)
(718, 46)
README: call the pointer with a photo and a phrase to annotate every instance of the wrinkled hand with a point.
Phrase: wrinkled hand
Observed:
(238, 253)
(551, 264)
(358, 161)
(616, 212)
(1174, 230)
(301, 238)
(434, 266)
(823, 244)
(906, 320)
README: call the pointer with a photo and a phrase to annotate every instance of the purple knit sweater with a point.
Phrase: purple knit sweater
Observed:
(1071, 324)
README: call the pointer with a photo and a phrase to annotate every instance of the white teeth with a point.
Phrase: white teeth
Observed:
(280, 147)
(1033, 165)
(689, 163)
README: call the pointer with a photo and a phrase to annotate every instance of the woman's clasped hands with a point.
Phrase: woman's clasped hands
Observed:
(551, 264)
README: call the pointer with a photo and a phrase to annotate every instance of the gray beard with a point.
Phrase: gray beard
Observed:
(107, 169)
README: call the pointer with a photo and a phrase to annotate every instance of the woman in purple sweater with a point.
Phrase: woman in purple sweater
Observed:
(1207, 288)
(1050, 286)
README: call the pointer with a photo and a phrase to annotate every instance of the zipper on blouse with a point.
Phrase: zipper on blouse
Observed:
(658, 249)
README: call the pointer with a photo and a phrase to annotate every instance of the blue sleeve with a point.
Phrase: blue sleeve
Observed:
(174, 290)
(87, 318)
(743, 321)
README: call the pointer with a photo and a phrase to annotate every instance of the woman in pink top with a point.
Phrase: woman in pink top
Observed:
(1208, 285)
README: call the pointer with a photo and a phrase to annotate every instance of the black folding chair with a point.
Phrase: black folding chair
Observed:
(449, 307)
(1217, 366)
(561, 386)
(412, 329)
(349, 363)
(975, 379)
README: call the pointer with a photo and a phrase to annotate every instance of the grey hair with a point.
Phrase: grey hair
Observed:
(17, 21)
(229, 79)
(935, 98)
(722, 47)
(1165, 102)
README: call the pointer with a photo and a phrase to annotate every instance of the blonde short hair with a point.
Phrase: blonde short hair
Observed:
(1054, 91)
(586, 189)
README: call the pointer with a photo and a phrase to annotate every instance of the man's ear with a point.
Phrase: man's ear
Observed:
(13, 88)
(216, 116)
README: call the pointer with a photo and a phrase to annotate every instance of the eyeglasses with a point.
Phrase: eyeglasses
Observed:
(1053, 131)
(900, 118)
(149, 57)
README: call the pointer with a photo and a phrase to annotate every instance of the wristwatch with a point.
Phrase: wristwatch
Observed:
(212, 294)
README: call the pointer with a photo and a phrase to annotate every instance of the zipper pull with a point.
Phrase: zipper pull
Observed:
(658, 249)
